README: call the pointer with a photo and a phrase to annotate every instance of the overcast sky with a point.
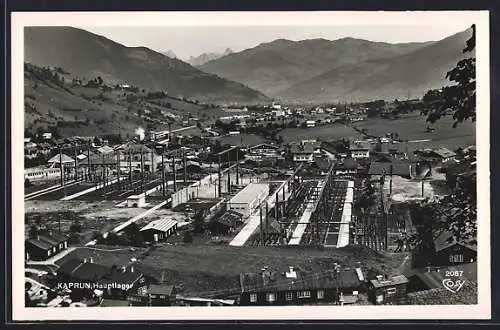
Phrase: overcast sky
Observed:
(189, 41)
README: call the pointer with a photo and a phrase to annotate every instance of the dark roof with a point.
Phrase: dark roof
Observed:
(39, 244)
(349, 163)
(89, 271)
(126, 277)
(266, 145)
(269, 280)
(398, 168)
(395, 280)
(444, 152)
(46, 241)
(53, 238)
(446, 239)
(307, 148)
(68, 266)
(359, 145)
(433, 279)
(161, 289)
(109, 158)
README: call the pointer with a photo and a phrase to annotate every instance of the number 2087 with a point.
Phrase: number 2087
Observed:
(454, 273)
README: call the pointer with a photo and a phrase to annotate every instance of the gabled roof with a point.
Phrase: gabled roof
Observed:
(266, 145)
(53, 238)
(83, 270)
(40, 244)
(446, 239)
(161, 289)
(444, 152)
(271, 280)
(160, 225)
(433, 277)
(105, 149)
(302, 148)
(65, 159)
(359, 145)
(95, 159)
(395, 280)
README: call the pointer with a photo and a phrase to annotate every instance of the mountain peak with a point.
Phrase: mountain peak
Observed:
(88, 55)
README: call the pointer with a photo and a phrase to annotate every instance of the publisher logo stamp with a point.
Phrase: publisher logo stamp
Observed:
(453, 283)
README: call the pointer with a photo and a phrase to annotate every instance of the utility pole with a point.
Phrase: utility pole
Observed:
(103, 175)
(152, 168)
(220, 178)
(62, 170)
(174, 172)
(118, 168)
(88, 162)
(228, 173)
(76, 164)
(185, 166)
(261, 226)
(237, 167)
(390, 185)
(130, 166)
(267, 219)
(142, 169)
(163, 171)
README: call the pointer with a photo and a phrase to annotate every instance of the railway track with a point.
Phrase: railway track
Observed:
(49, 190)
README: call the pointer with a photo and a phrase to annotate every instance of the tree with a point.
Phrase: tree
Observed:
(33, 232)
(458, 99)
(76, 227)
(188, 237)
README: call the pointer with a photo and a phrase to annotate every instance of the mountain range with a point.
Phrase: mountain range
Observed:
(169, 53)
(347, 69)
(89, 55)
(207, 57)
(312, 70)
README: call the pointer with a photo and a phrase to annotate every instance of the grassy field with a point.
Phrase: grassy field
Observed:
(200, 268)
(196, 269)
(242, 139)
(326, 132)
(414, 127)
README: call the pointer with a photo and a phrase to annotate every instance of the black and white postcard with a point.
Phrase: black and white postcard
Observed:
(250, 165)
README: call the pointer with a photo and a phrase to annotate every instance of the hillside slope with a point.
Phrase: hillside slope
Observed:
(54, 98)
(275, 66)
(88, 55)
(408, 75)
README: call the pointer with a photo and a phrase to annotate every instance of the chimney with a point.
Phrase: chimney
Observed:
(50, 232)
(131, 269)
(91, 260)
(379, 278)
(37, 237)
(124, 269)
(84, 260)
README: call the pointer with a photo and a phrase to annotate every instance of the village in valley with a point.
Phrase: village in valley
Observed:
(248, 204)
